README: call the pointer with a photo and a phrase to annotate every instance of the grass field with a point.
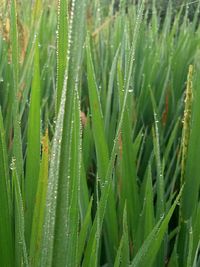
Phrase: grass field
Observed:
(99, 134)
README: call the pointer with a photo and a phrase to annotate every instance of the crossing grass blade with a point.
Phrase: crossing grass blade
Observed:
(65, 252)
(60, 239)
(105, 195)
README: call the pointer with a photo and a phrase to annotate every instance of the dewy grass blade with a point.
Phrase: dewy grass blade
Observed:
(48, 234)
(108, 179)
(62, 32)
(60, 239)
(63, 253)
(33, 146)
(160, 182)
(187, 121)
(6, 240)
(72, 219)
(128, 174)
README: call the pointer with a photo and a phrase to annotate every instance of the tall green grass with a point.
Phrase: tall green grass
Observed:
(99, 126)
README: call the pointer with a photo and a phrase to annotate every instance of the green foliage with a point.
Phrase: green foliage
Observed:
(99, 133)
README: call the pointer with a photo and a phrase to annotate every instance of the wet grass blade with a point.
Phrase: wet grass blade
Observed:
(62, 33)
(46, 256)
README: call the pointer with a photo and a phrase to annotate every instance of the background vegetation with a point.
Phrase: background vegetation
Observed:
(99, 133)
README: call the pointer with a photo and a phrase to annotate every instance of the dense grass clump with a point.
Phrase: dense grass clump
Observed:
(99, 134)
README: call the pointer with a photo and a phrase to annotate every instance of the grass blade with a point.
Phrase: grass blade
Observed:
(6, 232)
(33, 147)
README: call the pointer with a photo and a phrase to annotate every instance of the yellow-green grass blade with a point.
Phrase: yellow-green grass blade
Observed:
(6, 231)
(39, 208)
(33, 146)
(37, 12)
(62, 32)
(15, 46)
